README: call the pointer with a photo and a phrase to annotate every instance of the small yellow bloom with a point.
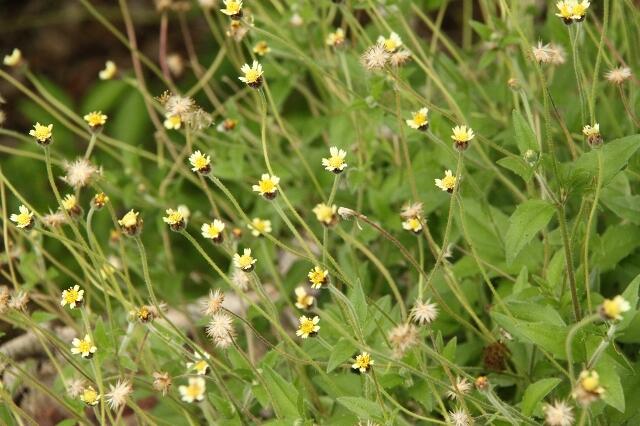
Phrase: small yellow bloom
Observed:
(588, 388)
(448, 182)
(317, 277)
(245, 261)
(612, 309)
(462, 134)
(233, 8)
(419, 119)
(336, 38)
(362, 363)
(261, 48)
(390, 44)
(259, 227)
(174, 219)
(110, 71)
(99, 200)
(213, 230)
(308, 327)
(14, 59)
(200, 163)
(252, 74)
(95, 119)
(413, 224)
(590, 381)
(580, 10)
(173, 122)
(303, 299)
(335, 163)
(84, 347)
(24, 219)
(70, 204)
(73, 296)
(326, 214)
(267, 186)
(194, 391)
(591, 130)
(42, 133)
(145, 313)
(131, 223)
(90, 396)
(199, 365)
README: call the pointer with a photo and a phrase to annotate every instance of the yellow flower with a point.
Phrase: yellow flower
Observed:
(24, 219)
(303, 299)
(308, 327)
(90, 396)
(462, 134)
(261, 48)
(73, 296)
(145, 313)
(201, 163)
(259, 227)
(363, 363)
(95, 119)
(213, 230)
(335, 163)
(565, 10)
(131, 223)
(200, 365)
(612, 309)
(413, 224)
(390, 44)
(572, 10)
(448, 182)
(14, 59)
(42, 133)
(84, 347)
(173, 122)
(336, 38)
(99, 200)
(252, 74)
(233, 8)
(419, 119)
(70, 204)
(588, 388)
(110, 70)
(580, 10)
(245, 261)
(591, 130)
(267, 186)
(317, 277)
(174, 219)
(194, 391)
(326, 214)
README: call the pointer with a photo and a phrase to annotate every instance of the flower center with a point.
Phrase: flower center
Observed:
(84, 346)
(24, 219)
(335, 162)
(267, 186)
(245, 261)
(307, 327)
(71, 296)
(252, 75)
(420, 119)
(449, 182)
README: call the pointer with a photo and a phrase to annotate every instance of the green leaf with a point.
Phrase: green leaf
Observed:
(529, 218)
(522, 281)
(359, 301)
(630, 295)
(525, 138)
(535, 393)
(518, 166)
(342, 351)
(616, 243)
(361, 407)
(616, 155)
(283, 392)
(42, 316)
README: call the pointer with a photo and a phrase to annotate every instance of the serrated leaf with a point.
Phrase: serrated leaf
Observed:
(518, 166)
(616, 155)
(284, 394)
(525, 138)
(535, 393)
(529, 218)
(342, 351)
(361, 407)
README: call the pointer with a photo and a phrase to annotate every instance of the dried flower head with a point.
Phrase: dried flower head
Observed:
(558, 414)
(304, 300)
(495, 356)
(180, 106)
(109, 72)
(375, 58)
(118, 393)
(399, 57)
(220, 329)
(618, 75)
(410, 210)
(227, 125)
(481, 383)
(162, 382)
(99, 200)
(549, 53)
(460, 417)
(424, 312)
(19, 300)
(5, 296)
(240, 280)
(213, 304)
(261, 48)
(308, 327)
(75, 387)
(403, 337)
(80, 173)
(459, 388)
(42, 133)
